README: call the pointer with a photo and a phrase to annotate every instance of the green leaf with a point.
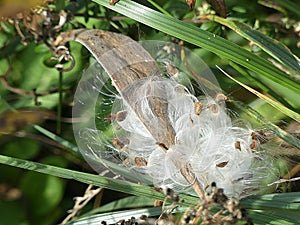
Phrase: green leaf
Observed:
(272, 102)
(117, 185)
(274, 48)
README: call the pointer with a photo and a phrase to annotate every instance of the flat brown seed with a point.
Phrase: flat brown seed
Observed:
(157, 203)
(253, 145)
(163, 146)
(117, 143)
(113, 2)
(191, 4)
(254, 136)
(237, 145)
(222, 164)
(140, 161)
(214, 108)
(172, 70)
(126, 161)
(198, 108)
(121, 116)
(221, 99)
(110, 117)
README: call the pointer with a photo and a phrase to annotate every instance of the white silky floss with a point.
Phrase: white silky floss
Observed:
(216, 150)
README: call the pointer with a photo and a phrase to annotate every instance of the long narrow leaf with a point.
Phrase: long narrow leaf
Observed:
(273, 103)
(269, 45)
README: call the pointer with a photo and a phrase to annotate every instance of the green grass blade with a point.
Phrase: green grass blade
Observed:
(293, 6)
(109, 183)
(206, 40)
(56, 138)
(274, 48)
(270, 101)
(258, 84)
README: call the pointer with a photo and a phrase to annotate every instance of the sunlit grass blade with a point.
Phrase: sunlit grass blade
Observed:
(145, 191)
(274, 48)
(105, 182)
(270, 101)
(260, 85)
(57, 138)
(206, 40)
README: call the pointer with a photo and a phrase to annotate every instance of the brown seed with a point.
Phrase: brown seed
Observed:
(172, 70)
(140, 161)
(126, 161)
(163, 146)
(213, 108)
(222, 164)
(113, 2)
(121, 115)
(119, 144)
(198, 108)
(191, 4)
(237, 145)
(221, 99)
(253, 145)
(111, 117)
(157, 203)
(261, 136)
(254, 136)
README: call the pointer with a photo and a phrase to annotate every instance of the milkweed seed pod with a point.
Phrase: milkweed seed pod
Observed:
(168, 124)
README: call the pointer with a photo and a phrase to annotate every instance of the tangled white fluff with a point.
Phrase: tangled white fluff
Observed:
(217, 150)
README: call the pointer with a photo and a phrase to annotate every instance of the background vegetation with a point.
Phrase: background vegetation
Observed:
(258, 44)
